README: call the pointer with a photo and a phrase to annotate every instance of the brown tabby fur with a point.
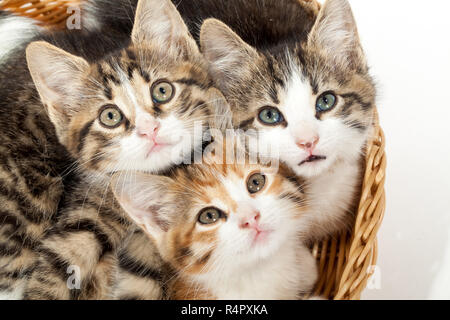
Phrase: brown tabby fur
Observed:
(54, 169)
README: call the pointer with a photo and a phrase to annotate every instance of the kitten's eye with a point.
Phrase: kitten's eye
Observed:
(110, 116)
(270, 116)
(256, 182)
(326, 102)
(209, 216)
(162, 91)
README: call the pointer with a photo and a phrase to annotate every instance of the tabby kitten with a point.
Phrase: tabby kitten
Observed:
(133, 109)
(228, 231)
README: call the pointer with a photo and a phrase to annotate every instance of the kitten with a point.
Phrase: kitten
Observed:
(134, 108)
(228, 231)
(296, 75)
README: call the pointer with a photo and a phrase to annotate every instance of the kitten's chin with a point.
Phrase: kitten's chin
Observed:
(153, 164)
(264, 246)
(157, 160)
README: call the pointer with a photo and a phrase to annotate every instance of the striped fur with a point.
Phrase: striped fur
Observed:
(95, 245)
(87, 235)
(56, 156)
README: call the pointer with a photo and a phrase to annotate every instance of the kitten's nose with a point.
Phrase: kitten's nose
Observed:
(148, 128)
(308, 144)
(250, 220)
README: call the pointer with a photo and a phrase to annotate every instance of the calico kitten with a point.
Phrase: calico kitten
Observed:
(130, 109)
(228, 231)
(296, 75)
(311, 99)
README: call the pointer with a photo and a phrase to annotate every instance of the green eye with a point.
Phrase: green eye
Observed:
(110, 116)
(162, 91)
(256, 182)
(209, 216)
(270, 116)
(326, 102)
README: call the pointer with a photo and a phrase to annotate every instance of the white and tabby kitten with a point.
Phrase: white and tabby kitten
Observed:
(136, 107)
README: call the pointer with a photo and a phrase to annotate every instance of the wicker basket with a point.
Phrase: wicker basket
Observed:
(50, 13)
(345, 261)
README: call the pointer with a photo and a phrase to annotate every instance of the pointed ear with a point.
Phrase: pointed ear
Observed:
(159, 22)
(58, 77)
(226, 52)
(222, 118)
(147, 201)
(336, 34)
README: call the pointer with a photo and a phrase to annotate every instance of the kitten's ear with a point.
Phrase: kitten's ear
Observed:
(229, 56)
(58, 77)
(158, 22)
(222, 118)
(336, 34)
(147, 200)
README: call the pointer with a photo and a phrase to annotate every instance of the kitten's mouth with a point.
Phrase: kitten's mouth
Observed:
(156, 148)
(261, 235)
(312, 158)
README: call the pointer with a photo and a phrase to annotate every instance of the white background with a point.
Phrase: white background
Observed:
(408, 47)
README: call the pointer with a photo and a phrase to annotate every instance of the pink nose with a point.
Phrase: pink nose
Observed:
(308, 144)
(251, 220)
(148, 128)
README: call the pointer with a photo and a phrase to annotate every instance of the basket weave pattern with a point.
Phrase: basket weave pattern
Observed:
(51, 13)
(345, 260)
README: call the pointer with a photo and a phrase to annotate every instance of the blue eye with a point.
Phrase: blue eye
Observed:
(326, 102)
(270, 116)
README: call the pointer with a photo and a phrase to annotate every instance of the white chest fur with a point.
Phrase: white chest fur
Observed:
(331, 197)
(286, 275)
